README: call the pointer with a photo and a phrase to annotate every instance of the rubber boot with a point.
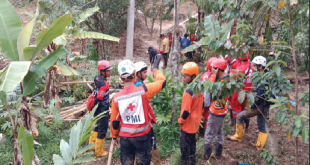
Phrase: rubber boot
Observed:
(92, 139)
(155, 157)
(99, 152)
(207, 152)
(218, 150)
(240, 129)
(261, 140)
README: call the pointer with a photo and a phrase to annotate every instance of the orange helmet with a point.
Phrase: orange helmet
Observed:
(209, 62)
(190, 68)
(219, 63)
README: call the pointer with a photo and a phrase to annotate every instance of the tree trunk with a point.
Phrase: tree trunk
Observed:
(161, 22)
(296, 72)
(175, 54)
(130, 30)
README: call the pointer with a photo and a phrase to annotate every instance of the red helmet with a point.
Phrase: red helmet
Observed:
(209, 62)
(219, 63)
(245, 58)
(104, 65)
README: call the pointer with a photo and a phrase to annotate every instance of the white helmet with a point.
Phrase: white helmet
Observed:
(126, 68)
(140, 66)
(259, 60)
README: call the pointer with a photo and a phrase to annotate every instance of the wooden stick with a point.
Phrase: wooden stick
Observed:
(111, 152)
(76, 82)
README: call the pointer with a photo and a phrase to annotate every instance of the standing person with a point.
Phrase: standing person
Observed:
(132, 118)
(154, 88)
(246, 68)
(260, 109)
(155, 57)
(190, 115)
(231, 65)
(217, 113)
(101, 88)
(185, 42)
(170, 40)
(165, 49)
(207, 96)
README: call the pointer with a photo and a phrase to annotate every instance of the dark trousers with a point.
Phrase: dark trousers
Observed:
(139, 147)
(188, 148)
(102, 127)
(166, 56)
(153, 139)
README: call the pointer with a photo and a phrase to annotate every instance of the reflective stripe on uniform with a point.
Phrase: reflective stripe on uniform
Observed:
(142, 92)
(135, 130)
(234, 112)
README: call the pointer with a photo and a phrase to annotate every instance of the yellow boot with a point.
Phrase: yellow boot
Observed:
(92, 139)
(261, 140)
(240, 129)
(155, 157)
(99, 152)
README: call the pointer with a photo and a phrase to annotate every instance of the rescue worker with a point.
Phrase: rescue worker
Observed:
(190, 116)
(217, 113)
(231, 65)
(132, 116)
(101, 88)
(244, 66)
(141, 74)
(260, 109)
(207, 96)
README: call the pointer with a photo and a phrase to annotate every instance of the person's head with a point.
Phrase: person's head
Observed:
(141, 70)
(104, 68)
(245, 58)
(209, 62)
(162, 36)
(260, 63)
(126, 70)
(189, 72)
(185, 35)
(219, 65)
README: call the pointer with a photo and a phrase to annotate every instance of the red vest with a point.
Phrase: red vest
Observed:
(246, 69)
(135, 111)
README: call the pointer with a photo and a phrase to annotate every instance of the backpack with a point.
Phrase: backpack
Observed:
(90, 103)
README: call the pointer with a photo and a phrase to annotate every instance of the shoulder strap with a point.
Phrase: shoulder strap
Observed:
(247, 73)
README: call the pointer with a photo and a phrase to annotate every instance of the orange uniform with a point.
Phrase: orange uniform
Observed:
(218, 108)
(191, 110)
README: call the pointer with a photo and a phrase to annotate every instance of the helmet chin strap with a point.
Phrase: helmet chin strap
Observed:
(140, 77)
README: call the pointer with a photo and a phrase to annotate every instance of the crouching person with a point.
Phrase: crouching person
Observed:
(260, 109)
(190, 117)
(132, 118)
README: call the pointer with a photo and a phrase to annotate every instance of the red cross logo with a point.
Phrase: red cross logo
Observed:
(131, 107)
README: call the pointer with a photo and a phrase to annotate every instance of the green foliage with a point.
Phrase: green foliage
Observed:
(10, 27)
(6, 154)
(13, 75)
(269, 159)
(44, 38)
(25, 141)
(39, 70)
(72, 152)
(167, 132)
(224, 88)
